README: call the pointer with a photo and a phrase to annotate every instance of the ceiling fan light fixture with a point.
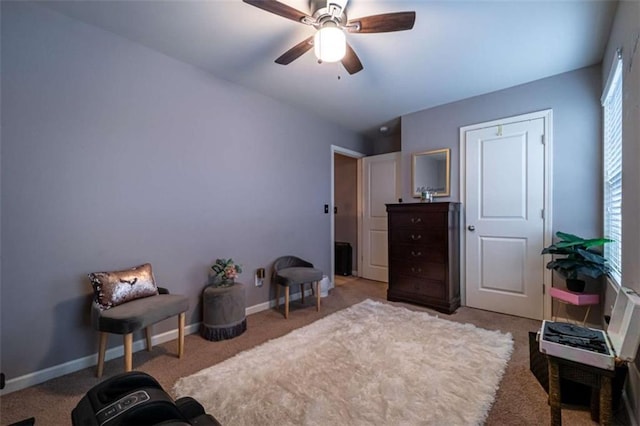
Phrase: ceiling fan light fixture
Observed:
(330, 44)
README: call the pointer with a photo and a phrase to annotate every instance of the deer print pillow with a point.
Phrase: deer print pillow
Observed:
(114, 288)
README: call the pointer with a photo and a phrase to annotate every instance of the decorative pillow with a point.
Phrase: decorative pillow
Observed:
(114, 288)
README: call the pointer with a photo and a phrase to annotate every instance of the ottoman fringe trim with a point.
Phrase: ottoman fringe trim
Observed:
(217, 332)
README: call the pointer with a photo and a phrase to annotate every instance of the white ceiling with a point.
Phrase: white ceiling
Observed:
(457, 49)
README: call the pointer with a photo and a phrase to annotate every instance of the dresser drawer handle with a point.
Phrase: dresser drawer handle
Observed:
(415, 237)
(416, 220)
(416, 253)
(414, 270)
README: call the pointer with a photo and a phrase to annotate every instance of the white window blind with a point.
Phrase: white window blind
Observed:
(612, 112)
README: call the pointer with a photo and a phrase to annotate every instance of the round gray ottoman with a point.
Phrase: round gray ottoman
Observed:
(223, 312)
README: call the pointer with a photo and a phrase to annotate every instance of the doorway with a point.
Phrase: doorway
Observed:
(505, 187)
(345, 207)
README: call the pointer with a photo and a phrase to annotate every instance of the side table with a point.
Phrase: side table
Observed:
(572, 298)
(597, 378)
(223, 312)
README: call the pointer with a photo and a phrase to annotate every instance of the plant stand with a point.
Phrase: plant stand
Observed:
(598, 379)
(567, 297)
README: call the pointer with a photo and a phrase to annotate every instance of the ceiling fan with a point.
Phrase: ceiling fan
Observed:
(330, 19)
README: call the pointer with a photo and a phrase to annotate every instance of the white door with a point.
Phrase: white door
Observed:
(381, 185)
(504, 201)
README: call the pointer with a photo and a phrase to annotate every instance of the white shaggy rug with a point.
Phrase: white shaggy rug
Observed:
(370, 364)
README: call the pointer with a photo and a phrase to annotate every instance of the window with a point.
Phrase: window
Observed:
(612, 113)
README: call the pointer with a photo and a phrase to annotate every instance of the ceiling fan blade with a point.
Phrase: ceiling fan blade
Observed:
(351, 61)
(279, 9)
(387, 22)
(295, 52)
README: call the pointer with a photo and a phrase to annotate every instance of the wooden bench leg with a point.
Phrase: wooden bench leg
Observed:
(181, 321)
(286, 302)
(277, 297)
(101, 351)
(302, 293)
(317, 295)
(128, 352)
(148, 333)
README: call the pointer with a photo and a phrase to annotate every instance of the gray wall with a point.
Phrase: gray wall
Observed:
(385, 143)
(574, 98)
(625, 34)
(114, 155)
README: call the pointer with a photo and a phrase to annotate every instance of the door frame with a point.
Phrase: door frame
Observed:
(547, 116)
(335, 149)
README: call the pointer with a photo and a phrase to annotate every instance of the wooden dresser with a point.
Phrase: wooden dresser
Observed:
(424, 254)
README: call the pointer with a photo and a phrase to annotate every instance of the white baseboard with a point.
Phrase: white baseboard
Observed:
(49, 373)
(272, 303)
(40, 376)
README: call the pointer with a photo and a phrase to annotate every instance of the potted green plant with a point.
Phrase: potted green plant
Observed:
(224, 272)
(581, 259)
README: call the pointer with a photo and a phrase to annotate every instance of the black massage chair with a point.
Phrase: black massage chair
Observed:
(136, 398)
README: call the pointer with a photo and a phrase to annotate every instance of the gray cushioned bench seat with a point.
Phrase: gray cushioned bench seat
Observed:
(139, 313)
(296, 275)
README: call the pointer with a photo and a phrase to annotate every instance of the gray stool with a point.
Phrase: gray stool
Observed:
(291, 270)
(223, 312)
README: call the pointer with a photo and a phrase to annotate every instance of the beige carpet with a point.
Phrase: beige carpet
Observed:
(520, 399)
(369, 364)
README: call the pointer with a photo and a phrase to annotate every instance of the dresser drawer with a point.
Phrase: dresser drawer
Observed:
(419, 220)
(419, 252)
(418, 236)
(431, 271)
(417, 286)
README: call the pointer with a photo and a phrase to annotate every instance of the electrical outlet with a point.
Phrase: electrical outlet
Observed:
(259, 277)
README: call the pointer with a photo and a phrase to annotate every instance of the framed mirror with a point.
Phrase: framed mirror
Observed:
(430, 170)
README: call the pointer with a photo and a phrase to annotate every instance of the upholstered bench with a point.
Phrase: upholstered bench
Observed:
(114, 312)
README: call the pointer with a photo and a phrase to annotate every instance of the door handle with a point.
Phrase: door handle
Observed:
(416, 220)
(471, 228)
(415, 237)
(416, 253)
